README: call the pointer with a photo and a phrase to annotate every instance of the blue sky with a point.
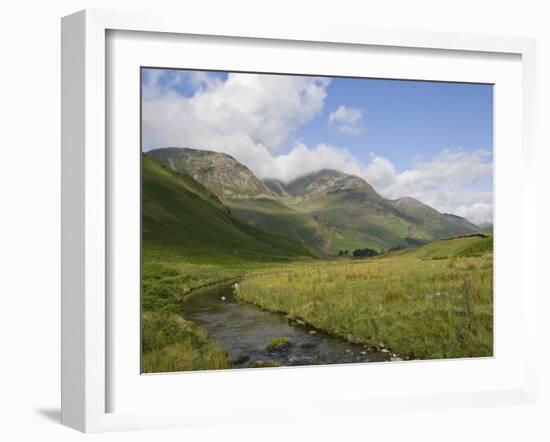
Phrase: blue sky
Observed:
(405, 119)
(429, 140)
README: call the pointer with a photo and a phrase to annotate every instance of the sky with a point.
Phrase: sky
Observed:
(429, 140)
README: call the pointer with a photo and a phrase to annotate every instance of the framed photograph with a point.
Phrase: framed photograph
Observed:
(252, 214)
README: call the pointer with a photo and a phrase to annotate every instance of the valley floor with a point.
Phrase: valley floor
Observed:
(432, 302)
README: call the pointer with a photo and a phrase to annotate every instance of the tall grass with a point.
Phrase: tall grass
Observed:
(170, 343)
(420, 308)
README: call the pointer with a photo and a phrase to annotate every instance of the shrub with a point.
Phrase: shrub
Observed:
(364, 253)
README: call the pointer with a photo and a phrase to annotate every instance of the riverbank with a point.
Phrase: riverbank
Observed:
(171, 343)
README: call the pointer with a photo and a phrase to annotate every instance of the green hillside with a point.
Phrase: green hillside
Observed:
(470, 246)
(440, 225)
(353, 218)
(183, 218)
(272, 216)
(352, 214)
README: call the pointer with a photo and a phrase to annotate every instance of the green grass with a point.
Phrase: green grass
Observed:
(272, 216)
(170, 343)
(355, 219)
(421, 308)
(468, 246)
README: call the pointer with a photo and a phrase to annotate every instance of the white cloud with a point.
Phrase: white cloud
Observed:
(380, 172)
(478, 213)
(245, 111)
(348, 120)
(251, 116)
(302, 160)
(449, 182)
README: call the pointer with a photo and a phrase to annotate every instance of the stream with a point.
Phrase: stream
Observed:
(245, 330)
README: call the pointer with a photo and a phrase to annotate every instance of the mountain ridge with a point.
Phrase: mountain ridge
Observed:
(326, 209)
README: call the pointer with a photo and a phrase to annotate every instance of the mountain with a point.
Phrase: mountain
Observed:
(248, 198)
(486, 226)
(352, 213)
(328, 210)
(326, 181)
(181, 215)
(440, 224)
(278, 187)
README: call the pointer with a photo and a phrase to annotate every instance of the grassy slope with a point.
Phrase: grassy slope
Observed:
(350, 222)
(272, 216)
(347, 220)
(190, 239)
(438, 225)
(414, 301)
(457, 247)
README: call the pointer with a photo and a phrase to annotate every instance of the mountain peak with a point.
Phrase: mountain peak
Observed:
(410, 202)
(326, 180)
(220, 172)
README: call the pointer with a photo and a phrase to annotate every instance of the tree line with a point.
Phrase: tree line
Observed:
(359, 253)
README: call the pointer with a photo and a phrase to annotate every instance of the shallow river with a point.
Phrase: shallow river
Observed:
(244, 331)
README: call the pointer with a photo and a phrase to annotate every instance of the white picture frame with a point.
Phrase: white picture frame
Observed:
(86, 207)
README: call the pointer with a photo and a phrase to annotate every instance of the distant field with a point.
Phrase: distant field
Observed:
(432, 302)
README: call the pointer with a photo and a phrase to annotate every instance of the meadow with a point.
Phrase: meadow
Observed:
(430, 302)
(427, 303)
